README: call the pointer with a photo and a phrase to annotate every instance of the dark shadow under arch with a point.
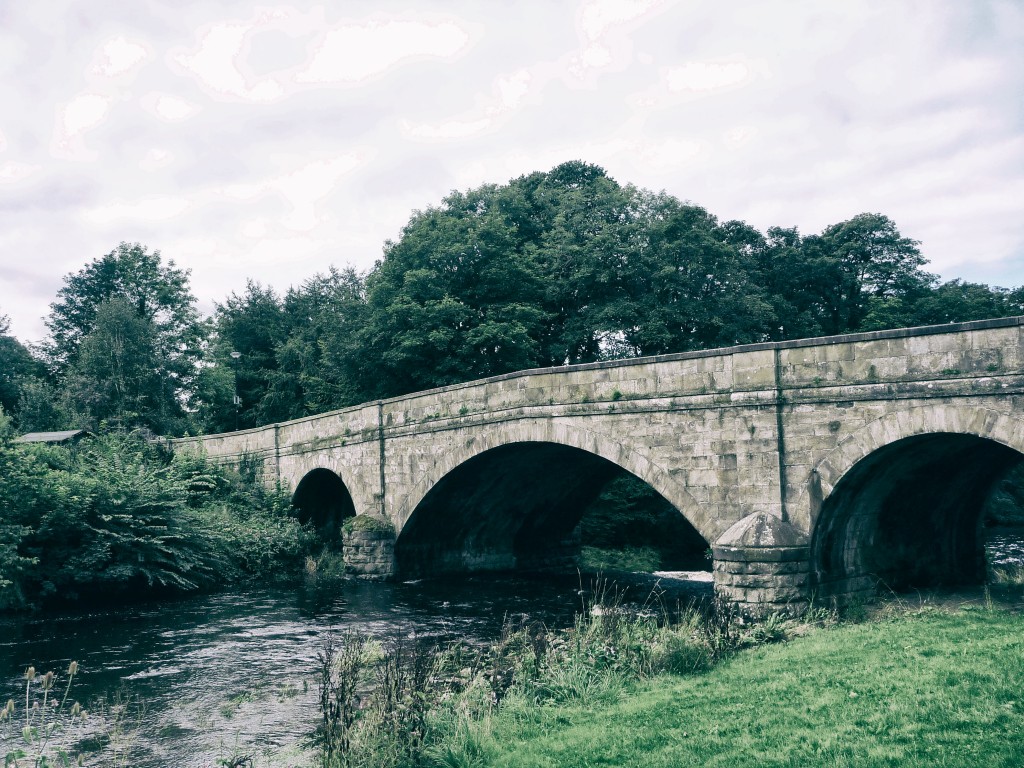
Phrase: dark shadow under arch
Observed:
(322, 499)
(909, 515)
(514, 507)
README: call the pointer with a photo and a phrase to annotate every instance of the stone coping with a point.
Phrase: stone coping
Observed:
(760, 554)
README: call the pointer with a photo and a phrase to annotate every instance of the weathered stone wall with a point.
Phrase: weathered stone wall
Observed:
(369, 552)
(767, 429)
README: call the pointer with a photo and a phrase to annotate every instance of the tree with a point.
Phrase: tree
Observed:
(693, 287)
(115, 377)
(864, 260)
(957, 301)
(248, 330)
(453, 299)
(16, 365)
(321, 315)
(283, 357)
(159, 298)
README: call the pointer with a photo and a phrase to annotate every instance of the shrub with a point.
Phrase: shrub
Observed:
(117, 516)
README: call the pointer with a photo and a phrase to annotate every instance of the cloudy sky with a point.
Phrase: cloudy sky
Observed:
(271, 141)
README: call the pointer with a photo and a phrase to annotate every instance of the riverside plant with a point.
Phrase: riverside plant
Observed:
(42, 735)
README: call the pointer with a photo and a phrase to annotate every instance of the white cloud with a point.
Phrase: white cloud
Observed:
(352, 54)
(508, 92)
(513, 89)
(215, 64)
(599, 23)
(302, 189)
(13, 172)
(451, 129)
(705, 75)
(149, 209)
(740, 135)
(156, 159)
(598, 17)
(304, 136)
(170, 108)
(118, 56)
(254, 228)
(85, 111)
(3, 142)
(307, 186)
(668, 153)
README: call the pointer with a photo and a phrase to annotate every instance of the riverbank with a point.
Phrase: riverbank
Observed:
(916, 687)
(233, 674)
(924, 685)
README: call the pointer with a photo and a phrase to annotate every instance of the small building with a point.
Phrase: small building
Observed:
(65, 437)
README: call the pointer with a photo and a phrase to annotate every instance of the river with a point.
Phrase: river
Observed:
(234, 672)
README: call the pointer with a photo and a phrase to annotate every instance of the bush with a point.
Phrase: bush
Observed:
(117, 516)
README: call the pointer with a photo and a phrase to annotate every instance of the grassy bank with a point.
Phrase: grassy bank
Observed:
(924, 688)
(914, 687)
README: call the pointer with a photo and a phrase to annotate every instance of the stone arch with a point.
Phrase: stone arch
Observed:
(988, 423)
(561, 433)
(322, 498)
(900, 501)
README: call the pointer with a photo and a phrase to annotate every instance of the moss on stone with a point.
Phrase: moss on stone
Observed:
(367, 523)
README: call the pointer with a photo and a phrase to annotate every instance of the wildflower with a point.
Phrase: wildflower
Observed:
(73, 668)
(30, 674)
(48, 681)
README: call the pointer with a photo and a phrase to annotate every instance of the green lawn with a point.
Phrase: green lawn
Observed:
(926, 688)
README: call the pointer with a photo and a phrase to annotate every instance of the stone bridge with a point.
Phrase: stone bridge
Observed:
(820, 466)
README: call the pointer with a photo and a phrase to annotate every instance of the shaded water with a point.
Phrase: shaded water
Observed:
(1005, 546)
(235, 671)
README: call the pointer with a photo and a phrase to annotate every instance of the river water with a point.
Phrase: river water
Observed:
(234, 672)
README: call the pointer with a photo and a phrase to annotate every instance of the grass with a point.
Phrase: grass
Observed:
(924, 688)
(631, 559)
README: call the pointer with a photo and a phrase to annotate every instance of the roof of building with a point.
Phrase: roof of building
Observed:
(53, 437)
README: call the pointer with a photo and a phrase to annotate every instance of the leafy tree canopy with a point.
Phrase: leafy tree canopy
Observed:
(125, 340)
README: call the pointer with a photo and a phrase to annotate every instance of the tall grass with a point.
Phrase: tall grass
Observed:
(419, 702)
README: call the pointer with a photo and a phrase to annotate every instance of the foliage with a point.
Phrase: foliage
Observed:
(619, 558)
(1005, 505)
(115, 378)
(275, 353)
(16, 365)
(631, 527)
(117, 517)
(367, 523)
(125, 340)
(627, 689)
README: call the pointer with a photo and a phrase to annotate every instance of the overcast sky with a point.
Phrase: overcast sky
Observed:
(271, 141)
